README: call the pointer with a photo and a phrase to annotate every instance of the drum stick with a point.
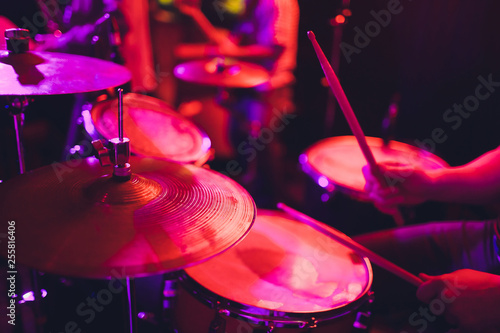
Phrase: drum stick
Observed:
(337, 90)
(351, 244)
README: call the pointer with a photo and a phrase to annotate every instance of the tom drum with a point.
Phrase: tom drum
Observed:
(284, 276)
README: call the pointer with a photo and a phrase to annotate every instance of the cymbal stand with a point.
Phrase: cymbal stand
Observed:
(17, 105)
(337, 22)
(118, 154)
(18, 42)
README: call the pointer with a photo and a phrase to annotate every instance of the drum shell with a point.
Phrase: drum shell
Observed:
(196, 315)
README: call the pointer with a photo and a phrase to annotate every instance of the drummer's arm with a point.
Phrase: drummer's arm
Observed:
(477, 182)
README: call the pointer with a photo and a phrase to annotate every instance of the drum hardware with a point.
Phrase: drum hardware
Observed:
(169, 300)
(337, 23)
(218, 325)
(389, 121)
(17, 105)
(363, 316)
(118, 155)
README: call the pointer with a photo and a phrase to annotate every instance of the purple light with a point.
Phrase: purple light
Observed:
(322, 181)
(87, 123)
(206, 143)
(303, 158)
(180, 70)
(233, 70)
(30, 296)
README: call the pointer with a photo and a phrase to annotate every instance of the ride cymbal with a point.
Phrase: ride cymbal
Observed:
(76, 219)
(50, 73)
(222, 72)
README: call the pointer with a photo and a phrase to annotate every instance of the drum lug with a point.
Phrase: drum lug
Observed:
(313, 323)
(363, 317)
(218, 324)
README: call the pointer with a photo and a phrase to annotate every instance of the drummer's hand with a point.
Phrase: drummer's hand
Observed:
(405, 185)
(468, 299)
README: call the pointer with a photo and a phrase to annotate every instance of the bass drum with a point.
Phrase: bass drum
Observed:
(284, 276)
(154, 129)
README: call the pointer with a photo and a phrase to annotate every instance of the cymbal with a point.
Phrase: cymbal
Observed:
(154, 128)
(50, 73)
(75, 219)
(222, 72)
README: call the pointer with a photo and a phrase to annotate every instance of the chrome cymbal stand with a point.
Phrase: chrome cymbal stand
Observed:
(117, 153)
(18, 42)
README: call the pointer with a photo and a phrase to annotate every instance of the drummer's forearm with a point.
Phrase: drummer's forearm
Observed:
(477, 182)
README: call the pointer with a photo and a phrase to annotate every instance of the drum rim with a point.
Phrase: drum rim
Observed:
(262, 316)
(331, 185)
(202, 151)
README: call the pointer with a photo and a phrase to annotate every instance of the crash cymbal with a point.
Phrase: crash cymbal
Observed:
(222, 72)
(154, 128)
(48, 73)
(75, 219)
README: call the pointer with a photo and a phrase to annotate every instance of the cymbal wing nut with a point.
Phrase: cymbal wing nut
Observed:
(102, 153)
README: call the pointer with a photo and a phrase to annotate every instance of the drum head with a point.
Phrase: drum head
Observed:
(153, 127)
(337, 162)
(288, 267)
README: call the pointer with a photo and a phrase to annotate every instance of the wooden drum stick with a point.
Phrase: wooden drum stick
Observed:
(356, 247)
(350, 117)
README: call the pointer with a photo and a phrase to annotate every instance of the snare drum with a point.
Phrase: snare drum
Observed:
(283, 276)
(153, 127)
(336, 163)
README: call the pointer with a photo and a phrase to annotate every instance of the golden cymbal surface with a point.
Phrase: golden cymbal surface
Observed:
(51, 73)
(75, 219)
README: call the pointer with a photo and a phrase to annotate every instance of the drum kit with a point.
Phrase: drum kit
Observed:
(160, 211)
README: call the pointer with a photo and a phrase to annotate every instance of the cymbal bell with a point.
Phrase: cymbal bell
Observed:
(77, 220)
(222, 72)
(50, 73)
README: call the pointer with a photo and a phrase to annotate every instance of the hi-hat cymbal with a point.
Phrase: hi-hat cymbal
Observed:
(48, 73)
(222, 72)
(80, 221)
